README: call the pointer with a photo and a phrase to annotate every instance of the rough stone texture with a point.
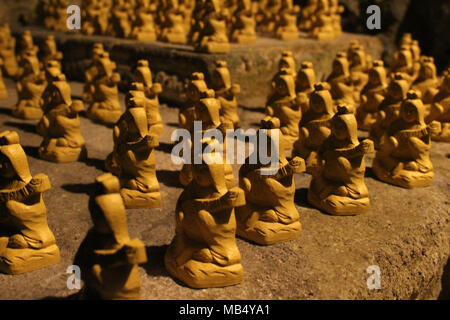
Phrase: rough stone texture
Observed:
(406, 232)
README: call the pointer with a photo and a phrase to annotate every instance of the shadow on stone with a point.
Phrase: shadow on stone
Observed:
(301, 198)
(5, 110)
(370, 174)
(445, 292)
(96, 163)
(169, 178)
(165, 147)
(31, 151)
(259, 109)
(155, 261)
(27, 127)
(86, 188)
(172, 124)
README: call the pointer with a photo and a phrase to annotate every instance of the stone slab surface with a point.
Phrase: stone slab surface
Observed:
(251, 66)
(406, 232)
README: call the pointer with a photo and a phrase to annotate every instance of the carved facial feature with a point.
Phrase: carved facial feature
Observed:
(339, 129)
(202, 176)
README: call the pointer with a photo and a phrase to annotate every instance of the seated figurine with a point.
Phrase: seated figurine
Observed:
(7, 51)
(26, 242)
(337, 186)
(91, 16)
(203, 253)
(30, 85)
(143, 76)
(3, 91)
(304, 84)
(60, 125)
(226, 93)
(307, 16)
(105, 106)
(133, 157)
(269, 15)
(404, 155)
(341, 82)
(315, 126)
(427, 81)
(358, 70)
(286, 27)
(144, 28)
(389, 108)
(50, 51)
(91, 72)
(172, 28)
(243, 23)
(195, 90)
(372, 95)
(335, 12)
(26, 45)
(288, 65)
(120, 25)
(107, 257)
(323, 24)
(403, 63)
(285, 106)
(269, 215)
(213, 36)
(440, 110)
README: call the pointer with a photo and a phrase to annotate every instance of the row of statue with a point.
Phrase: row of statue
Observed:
(317, 121)
(208, 25)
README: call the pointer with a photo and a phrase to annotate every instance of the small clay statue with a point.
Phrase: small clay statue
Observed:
(26, 45)
(196, 21)
(143, 75)
(105, 106)
(172, 29)
(226, 93)
(341, 82)
(286, 27)
(3, 91)
(389, 108)
(195, 90)
(243, 23)
(107, 257)
(30, 85)
(93, 20)
(308, 16)
(7, 51)
(91, 72)
(335, 12)
(269, 215)
(304, 84)
(60, 125)
(26, 242)
(133, 157)
(440, 110)
(144, 28)
(120, 22)
(337, 186)
(285, 106)
(204, 253)
(287, 64)
(358, 69)
(270, 15)
(315, 126)
(404, 155)
(403, 63)
(213, 36)
(427, 81)
(323, 24)
(50, 52)
(371, 96)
